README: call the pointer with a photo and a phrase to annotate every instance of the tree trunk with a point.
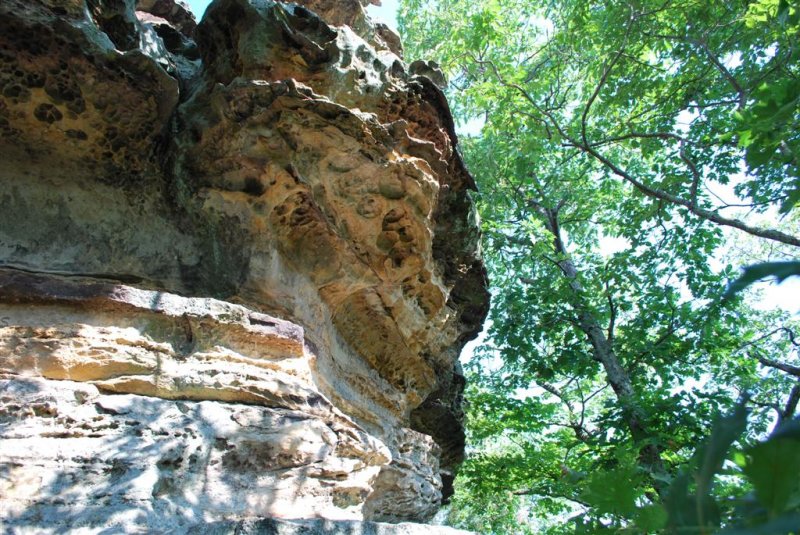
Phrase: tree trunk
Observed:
(603, 352)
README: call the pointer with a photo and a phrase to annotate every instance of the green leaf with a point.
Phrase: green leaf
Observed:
(651, 519)
(699, 509)
(780, 270)
(714, 452)
(758, 154)
(745, 138)
(774, 471)
(613, 491)
(791, 200)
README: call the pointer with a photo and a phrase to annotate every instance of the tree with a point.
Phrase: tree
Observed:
(664, 94)
(618, 122)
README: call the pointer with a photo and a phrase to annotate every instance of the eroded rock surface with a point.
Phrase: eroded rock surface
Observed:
(238, 261)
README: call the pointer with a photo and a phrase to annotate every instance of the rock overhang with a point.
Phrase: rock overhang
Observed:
(273, 159)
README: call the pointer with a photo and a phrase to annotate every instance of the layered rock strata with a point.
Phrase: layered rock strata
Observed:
(238, 261)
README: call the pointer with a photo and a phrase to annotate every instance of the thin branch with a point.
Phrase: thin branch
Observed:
(789, 332)
(695, 175)
(773, 406)
(725, 72)
(640, 135)
(596, 392)
(529, 492)
(702, 45)
(601, 83)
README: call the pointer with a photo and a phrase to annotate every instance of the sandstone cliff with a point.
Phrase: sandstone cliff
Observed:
(238, 261)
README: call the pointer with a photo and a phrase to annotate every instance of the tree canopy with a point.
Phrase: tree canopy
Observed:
(633, 155)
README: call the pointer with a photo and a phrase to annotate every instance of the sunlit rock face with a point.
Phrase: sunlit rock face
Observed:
(238, 261)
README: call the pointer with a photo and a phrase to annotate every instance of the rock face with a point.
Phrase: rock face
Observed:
(238, 261)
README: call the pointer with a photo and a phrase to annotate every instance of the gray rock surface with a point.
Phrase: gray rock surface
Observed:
(238, 261)
(271, 526)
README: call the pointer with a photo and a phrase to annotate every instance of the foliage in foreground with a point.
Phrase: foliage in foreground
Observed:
(696, 502)
(626, 149)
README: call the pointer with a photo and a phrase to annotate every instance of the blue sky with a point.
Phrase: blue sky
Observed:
(386, 13)
(198, 7)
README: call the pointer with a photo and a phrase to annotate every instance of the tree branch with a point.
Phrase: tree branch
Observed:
(612, 312)
(639, 135)
(782, 366)
(791, 404)
(600, 84)
(695, 175)
(725, 72)
(702, 45)
(709, 215)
